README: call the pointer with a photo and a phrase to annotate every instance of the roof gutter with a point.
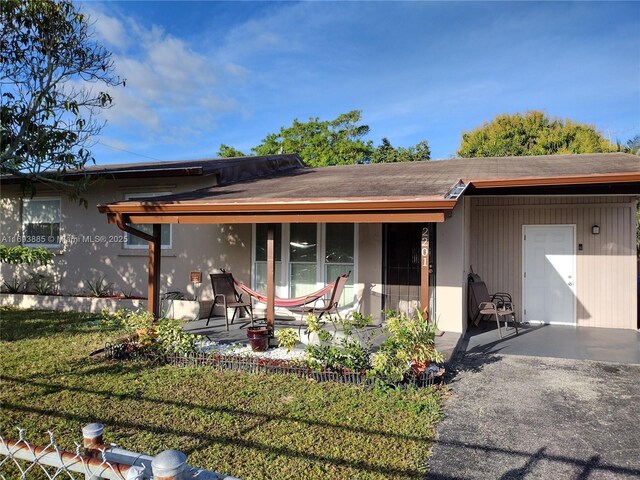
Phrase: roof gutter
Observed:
(590, 179)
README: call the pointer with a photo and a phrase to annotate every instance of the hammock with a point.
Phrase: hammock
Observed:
(286, 302)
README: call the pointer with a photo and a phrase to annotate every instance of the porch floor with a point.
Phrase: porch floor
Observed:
(216, 332)
(556, 341)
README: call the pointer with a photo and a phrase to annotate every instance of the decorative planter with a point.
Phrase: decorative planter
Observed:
(68, 303)
(258, 338)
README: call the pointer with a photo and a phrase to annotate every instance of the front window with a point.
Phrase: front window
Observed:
(307, 256)
(41, 222)
(165, 229)
(303, 259)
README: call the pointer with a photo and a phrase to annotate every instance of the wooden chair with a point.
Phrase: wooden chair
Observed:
(499, 305)
(225, 294)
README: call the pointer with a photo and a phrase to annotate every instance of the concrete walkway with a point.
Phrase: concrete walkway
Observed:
(558, 341)
(516, 417)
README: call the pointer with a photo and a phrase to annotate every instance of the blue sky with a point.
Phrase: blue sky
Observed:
(204, 73)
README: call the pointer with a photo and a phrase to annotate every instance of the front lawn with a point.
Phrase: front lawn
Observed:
(247, 425)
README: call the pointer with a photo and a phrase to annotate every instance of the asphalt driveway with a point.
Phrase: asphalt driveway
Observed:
(516, 417)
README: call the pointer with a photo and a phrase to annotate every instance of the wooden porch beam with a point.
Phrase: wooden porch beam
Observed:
(271, 276)
(153, 295)
(424, 270)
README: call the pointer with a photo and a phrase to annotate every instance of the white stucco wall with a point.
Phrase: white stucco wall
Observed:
(88, 250)
(451, 271)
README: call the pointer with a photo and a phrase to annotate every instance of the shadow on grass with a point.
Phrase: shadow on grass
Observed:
(221, 439)
(31, 324)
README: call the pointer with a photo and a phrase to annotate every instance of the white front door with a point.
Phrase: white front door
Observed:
(549, 274)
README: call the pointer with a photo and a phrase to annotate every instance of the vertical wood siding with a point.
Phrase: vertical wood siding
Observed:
(605, 268)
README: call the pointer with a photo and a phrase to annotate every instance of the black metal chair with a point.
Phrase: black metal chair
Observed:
(225, 294)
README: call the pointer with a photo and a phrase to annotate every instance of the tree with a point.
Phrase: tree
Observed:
(225, 151)
(321, 142)
(339, 141)
(531, 134)
(49, 64)
(386, 153)
(633, 145)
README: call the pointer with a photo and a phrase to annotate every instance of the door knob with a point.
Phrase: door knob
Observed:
(570, 284)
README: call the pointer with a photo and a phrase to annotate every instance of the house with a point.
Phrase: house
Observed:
(558, 232)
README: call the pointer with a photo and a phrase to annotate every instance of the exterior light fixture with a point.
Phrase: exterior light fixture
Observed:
(595, 230)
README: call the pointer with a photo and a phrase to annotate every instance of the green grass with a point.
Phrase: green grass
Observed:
(247, 425)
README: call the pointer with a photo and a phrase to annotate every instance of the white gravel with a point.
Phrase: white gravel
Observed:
(242, 349)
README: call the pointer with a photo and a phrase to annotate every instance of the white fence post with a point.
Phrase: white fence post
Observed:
(168, 465)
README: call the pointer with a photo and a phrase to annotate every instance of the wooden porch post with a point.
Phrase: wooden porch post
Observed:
(153, 295)
(424, 270)
(271, 276)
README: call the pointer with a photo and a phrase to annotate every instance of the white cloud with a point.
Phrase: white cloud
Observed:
(172, 90)
(108, 29)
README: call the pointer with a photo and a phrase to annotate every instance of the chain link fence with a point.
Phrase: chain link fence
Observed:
(94, 460)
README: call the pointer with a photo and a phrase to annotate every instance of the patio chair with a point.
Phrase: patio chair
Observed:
(332, 305)
(225, 294)
(482, 303)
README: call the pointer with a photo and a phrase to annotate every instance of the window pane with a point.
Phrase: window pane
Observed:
(339, 248)
(261, 242)
(260, 280)
(302, 243)
(41, 211)
(41, 222)
(303, 279)
(332, 273)
(165, 229)
(165, 234)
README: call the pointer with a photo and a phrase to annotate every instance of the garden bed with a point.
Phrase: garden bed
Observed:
(128, 351)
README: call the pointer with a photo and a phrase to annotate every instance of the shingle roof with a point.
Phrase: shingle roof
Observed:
(431, 179)
(228, 170)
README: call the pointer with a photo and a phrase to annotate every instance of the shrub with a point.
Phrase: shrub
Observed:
(25, 255)
(41, 283)
(100, 287)
(287, 338)
(13, 286)
(173, 339)
(410, 345)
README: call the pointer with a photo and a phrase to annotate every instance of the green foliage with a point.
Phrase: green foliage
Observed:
(531, 134)
(350, 350)
(25, 255)
(633, 145)
(134, 320)
(386, 153)
(100, 287)
(42, 283)
(173, 339)
(321, 143)
(287, 338)
(13, 286)
(225, 151)
(234, 422)
(340, 141)
(410, 341)
(50, 66)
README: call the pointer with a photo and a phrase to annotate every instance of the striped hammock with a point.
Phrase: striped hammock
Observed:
(286, 302)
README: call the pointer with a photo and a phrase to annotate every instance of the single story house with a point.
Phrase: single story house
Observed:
(558, 232)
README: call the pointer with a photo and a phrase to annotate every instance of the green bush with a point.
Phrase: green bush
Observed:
(287, 338)
(25, 255)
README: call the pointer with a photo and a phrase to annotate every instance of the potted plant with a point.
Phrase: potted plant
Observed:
(410, 346)
(258, 336)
